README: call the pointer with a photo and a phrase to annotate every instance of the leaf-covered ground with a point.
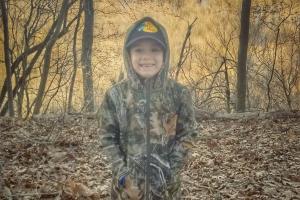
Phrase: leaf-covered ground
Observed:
(60, 158)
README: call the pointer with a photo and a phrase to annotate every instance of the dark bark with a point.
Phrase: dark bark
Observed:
(242, 57)
(43, 80)
(87, 42)
(8, 84)
(22, 90)
(227, 89)
(75, 63)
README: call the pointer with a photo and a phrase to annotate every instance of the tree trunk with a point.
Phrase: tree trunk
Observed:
(21, 91)
(47, 58)
(227, 89)
(272, 71)
(43, 81)
(7, 59)
(70, 98)
(23, 86)
(242, 57)
(87, 42)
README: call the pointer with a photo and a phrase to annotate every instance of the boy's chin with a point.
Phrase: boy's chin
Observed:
(145, 77)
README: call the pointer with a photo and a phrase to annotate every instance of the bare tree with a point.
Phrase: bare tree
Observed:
(277, 30)
(218, 61)
(184, 49)
(75, 61)
(37, 51)
(288, 73)
(86, 56)
(241, 84)
(7, 58)
(28, 25)
(275, 45)
(62, 17)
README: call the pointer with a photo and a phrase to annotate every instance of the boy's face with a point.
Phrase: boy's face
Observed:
(146, 57)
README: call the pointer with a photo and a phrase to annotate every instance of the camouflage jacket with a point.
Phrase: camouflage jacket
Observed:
(171, 123)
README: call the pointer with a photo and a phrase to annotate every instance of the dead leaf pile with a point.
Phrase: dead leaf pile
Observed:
(60, 157)
(237, 159)
(52, 158)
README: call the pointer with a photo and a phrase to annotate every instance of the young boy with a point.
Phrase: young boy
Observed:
(146, 119)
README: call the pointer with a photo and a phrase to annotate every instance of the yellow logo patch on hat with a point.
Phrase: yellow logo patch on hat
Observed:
(148, 27)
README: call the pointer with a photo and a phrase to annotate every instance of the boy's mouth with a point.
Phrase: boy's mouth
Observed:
(146, 65)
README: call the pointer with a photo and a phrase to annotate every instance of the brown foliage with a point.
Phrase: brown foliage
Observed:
(60, 157)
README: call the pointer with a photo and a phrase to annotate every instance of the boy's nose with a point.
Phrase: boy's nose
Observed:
(146, 56)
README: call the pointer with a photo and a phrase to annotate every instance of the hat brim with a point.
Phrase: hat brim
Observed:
(129, 44)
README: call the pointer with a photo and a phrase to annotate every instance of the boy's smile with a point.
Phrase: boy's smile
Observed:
(146, 57)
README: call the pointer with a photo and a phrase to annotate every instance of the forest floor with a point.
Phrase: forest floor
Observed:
(61, 158)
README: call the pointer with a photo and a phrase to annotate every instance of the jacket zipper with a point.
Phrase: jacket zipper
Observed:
(147, 119)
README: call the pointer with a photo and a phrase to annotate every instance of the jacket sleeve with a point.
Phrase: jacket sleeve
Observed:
(110, 137)
(185, 132)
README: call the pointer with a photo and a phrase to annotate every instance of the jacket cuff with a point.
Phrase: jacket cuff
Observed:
(121, 177)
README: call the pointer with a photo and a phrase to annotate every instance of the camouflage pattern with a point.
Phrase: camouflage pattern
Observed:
(123, 135)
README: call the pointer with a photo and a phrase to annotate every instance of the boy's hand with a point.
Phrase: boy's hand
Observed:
(133, 192)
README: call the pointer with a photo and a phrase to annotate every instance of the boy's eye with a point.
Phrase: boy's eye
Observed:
(156, 50)
(143, 50)
(138, 50)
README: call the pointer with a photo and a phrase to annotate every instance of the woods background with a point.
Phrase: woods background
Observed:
(238, 57)
(62, 55)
